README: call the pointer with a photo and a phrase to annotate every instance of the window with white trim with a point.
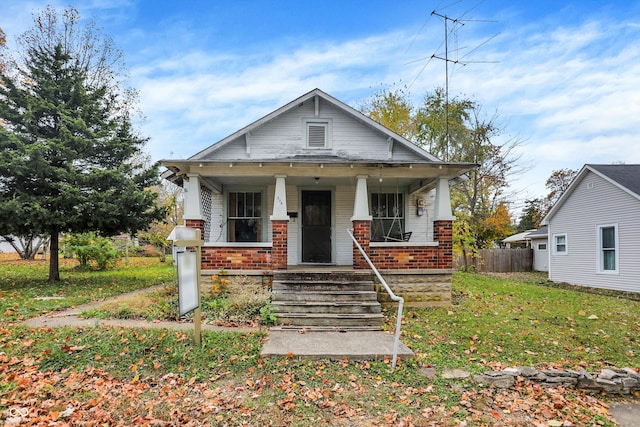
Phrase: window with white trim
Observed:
(542, 246)
(244, 216)
(608, 248)
(317, 133)
(560, 246)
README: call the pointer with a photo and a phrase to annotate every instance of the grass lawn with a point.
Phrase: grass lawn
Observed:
(25, 291)
(113, 376)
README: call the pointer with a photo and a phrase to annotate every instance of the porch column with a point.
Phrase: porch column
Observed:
(443, 224)
(279, 225)
(361, 221)
(193, 203)
(442, 211)
(361, 202)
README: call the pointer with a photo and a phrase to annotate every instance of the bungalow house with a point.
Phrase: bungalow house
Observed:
(281, 194)
(594, 229)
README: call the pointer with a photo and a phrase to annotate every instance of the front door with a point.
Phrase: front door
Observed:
(316, 226)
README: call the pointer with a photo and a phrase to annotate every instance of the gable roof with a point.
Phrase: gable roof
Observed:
(517, 238)
(625, 177)
(540, 233)
(336, 103)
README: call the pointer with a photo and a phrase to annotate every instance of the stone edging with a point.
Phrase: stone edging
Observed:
(612, 381)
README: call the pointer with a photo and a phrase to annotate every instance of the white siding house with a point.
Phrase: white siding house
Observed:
(594, 229)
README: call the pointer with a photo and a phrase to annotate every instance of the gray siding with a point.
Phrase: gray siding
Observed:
(595, 202)
(283, 137)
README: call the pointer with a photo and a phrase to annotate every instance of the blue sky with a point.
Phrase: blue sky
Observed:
(561, 76)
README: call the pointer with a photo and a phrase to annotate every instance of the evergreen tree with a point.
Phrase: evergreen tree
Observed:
(532, 215)
(69, 156)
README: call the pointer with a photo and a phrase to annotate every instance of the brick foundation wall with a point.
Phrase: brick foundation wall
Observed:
(229, 258)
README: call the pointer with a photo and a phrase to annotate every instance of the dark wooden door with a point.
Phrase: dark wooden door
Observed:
(316, 226)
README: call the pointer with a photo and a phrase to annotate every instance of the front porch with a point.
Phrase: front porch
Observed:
(307, 228)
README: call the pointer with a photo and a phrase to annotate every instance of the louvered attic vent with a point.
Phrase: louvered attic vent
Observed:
(316, 135)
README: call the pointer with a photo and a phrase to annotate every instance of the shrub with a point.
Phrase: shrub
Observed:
(87, 247)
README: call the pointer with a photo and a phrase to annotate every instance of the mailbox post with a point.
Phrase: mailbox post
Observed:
(188, 244)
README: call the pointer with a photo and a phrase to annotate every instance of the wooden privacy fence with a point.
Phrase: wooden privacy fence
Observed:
(498, 260)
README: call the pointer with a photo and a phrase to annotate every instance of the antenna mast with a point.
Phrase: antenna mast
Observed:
(447, 60)
(446, 87)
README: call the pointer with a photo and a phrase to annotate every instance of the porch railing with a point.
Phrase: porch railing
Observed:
(394, 297)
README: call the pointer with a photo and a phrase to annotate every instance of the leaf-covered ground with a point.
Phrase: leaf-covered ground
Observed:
(155, 377)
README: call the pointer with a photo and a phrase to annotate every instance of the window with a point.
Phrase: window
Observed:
(542, 246)
(387, 210)
(560, 244)
(244, 217)
(318, 134)
(607, 248)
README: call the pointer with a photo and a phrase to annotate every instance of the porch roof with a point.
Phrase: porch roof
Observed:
(308, 170)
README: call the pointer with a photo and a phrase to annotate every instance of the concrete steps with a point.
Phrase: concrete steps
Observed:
(326, 301)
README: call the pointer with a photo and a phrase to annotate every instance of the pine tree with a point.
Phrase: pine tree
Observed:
(70, 160)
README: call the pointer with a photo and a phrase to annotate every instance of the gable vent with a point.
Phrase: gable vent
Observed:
(317, 136)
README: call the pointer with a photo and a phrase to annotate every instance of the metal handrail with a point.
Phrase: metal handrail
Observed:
(394, 297)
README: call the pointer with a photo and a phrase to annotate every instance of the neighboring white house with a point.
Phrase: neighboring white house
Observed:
(520, 238)
(5, 247)
(594, 229)
(539, 241)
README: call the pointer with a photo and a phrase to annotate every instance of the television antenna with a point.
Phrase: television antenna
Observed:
(456, 22)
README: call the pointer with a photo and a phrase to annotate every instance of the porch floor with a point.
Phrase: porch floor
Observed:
(360, 345)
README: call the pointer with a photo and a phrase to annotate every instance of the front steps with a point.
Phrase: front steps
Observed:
(325, 301)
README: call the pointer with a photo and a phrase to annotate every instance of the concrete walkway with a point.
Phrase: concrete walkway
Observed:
(71, 317)
(333, 345)
(626, 414)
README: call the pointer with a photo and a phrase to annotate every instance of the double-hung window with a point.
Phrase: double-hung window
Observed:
(608, 248)
(560, 244)
(387, 210)
(244, 220)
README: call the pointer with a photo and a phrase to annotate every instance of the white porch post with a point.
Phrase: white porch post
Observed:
(361, 202)
(280, 200)
(442, 211)
(192, 200)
